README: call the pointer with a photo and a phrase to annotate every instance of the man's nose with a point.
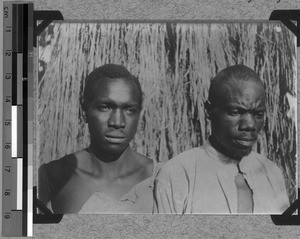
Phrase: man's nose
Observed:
(248, 122)
(117, 119)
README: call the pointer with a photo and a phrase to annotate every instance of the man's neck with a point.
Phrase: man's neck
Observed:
(112, 166)
(220, 148)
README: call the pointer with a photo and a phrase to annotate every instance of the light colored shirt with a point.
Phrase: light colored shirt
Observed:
(67, 186)
(202, 180)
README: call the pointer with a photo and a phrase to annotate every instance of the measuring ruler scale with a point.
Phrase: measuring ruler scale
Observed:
(17, 147)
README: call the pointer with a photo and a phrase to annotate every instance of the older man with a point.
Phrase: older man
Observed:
(225, 175)
(108, 176)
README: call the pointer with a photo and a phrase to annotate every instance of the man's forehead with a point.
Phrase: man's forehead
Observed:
(239, 85)
(235, 80)
(112, 81)
(241, 91)
(117, 89)
(105, 85)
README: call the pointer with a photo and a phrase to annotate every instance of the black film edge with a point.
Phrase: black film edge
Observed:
(47, 216)
(287, 218)
(46, 17)
(287, 17)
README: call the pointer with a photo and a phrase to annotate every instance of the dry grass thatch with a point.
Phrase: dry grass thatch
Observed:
(174, 63)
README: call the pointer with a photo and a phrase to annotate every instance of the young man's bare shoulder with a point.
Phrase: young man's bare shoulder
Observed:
(67, 159)
(66, 164)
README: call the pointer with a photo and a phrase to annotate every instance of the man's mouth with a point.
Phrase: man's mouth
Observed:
(115, 138)
(245, 142)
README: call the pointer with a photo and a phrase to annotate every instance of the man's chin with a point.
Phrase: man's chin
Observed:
(242, 147)
(115, 148)
(242, 152)
(110, 149)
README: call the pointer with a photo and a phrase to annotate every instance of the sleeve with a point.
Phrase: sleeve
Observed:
(276, 186)
(170, 190)
(279, 187)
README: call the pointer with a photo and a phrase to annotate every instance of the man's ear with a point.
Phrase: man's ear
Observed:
(84, 116)
(208, 109)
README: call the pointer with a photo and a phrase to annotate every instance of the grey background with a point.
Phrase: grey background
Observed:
(163, 226)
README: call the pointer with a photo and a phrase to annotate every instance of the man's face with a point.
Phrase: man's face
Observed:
(239, 117)
(113, 115)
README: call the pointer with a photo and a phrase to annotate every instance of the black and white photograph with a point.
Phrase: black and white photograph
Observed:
(166, 117)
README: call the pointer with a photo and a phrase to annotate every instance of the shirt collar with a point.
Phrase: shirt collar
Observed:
(246, 164)
(215, 154)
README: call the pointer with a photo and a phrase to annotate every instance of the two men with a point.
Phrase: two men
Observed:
(108, 176)
(222, 176)
(225, 175)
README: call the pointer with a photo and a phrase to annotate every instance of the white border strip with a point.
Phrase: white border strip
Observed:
(14, 131)
(19, 183)
(30, 201)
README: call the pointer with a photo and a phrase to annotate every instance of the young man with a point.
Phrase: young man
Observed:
(108, 176)
(225, 175)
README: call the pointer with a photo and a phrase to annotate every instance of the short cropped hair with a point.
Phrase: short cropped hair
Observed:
(108, 71)
(237, 72)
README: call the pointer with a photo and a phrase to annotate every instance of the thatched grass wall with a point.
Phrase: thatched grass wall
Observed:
(174, 63)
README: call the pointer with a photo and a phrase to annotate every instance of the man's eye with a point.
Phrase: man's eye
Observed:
(259, 114)
(233, 112)
(104, 108)
(131, 110)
